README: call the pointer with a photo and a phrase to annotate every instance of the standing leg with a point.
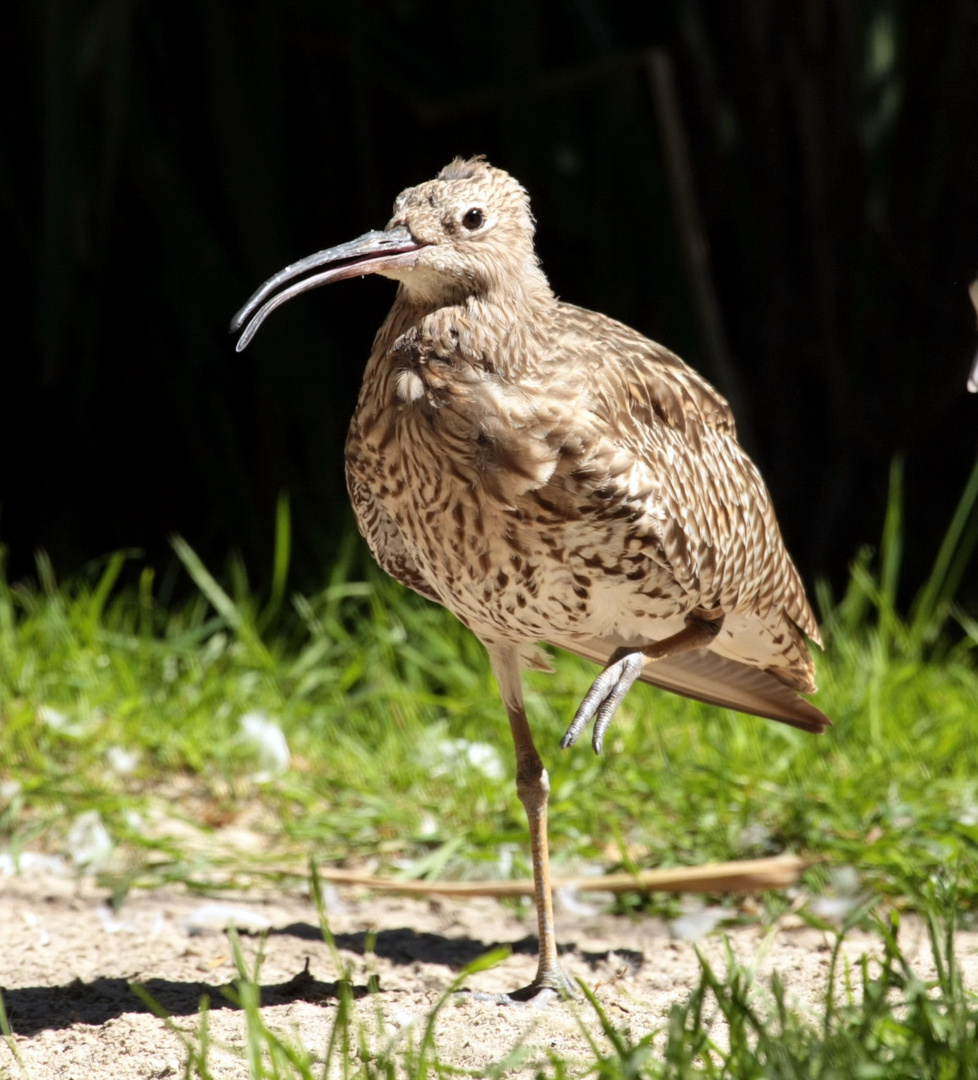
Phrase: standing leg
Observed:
(533, 788)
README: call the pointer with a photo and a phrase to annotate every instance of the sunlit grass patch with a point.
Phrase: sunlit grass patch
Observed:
(225, 738)
(362, 722)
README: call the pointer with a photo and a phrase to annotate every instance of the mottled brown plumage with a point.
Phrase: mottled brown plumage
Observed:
(550, 475)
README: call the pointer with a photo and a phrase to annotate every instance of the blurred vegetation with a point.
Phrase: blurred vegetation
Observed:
(157, 162)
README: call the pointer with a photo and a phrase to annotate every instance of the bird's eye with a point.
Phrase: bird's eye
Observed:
(473, 218)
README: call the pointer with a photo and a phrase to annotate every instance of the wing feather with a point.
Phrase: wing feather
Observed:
(662, 442)
(716, 680)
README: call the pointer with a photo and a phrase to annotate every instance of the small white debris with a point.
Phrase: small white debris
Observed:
(121, 760)
(754, 836)
(27, 862)
(401, 1019)
(844, 879)
(110, 924)
(572, 902)
(31, 921)
(504, 863)
(458, 753)
(89, 844)
(53, 718)
(696, 922)
(844, 895)
(485, 759)
(332, 901)
(428, 825)
(9, 790)
(833, 908)
(269, 740)
(210, 918)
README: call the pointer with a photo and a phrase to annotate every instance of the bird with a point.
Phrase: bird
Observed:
(973, 374)
(551, 476)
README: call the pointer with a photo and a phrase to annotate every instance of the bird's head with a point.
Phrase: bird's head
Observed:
(468, 232)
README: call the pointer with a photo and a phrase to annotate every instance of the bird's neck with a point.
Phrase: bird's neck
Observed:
(490, 328)
(520, 296)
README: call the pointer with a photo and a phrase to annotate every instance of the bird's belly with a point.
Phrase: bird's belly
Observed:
(509, 578)
(503, 562)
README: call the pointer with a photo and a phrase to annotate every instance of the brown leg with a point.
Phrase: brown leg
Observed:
(700, 629)
(533, 788)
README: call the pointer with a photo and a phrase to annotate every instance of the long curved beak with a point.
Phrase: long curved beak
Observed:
(372, 253)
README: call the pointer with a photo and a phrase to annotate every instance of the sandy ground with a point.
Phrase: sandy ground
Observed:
(66, 963)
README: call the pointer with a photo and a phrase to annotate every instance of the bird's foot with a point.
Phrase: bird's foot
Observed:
(607, 692)
(538, 995)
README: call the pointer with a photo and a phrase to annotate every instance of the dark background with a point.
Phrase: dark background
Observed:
(159, 161)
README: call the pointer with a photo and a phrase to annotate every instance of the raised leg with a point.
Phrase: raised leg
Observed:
(609, 689)
(533, 788)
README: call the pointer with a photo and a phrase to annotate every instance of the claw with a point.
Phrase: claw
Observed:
(601, 702)
(533, 996)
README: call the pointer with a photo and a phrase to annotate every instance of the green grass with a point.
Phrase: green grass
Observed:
(882, 1021)
(114, 699)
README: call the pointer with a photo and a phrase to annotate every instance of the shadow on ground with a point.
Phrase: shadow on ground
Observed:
(31, 1009)
(406, 946)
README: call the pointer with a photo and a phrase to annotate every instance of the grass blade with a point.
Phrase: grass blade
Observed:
(932, 603)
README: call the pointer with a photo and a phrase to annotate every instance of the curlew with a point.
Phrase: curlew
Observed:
(550, 475)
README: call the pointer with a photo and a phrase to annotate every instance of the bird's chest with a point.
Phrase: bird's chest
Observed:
(483, 482)
(429, 446)
(512, 567)
(415, 442)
